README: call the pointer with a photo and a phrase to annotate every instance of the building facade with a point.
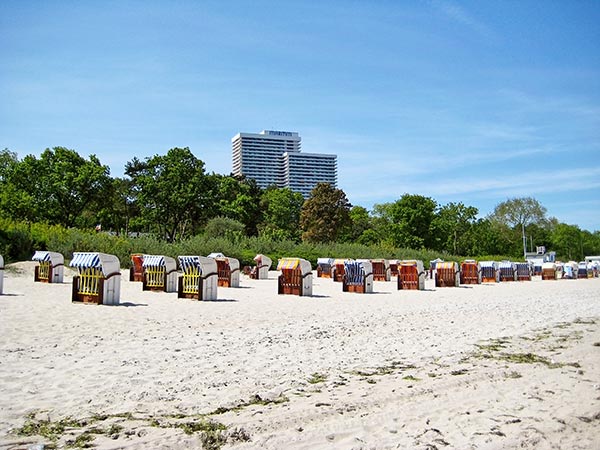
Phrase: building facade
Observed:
(274, 158)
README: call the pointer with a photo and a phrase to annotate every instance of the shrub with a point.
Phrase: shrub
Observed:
(18, 241)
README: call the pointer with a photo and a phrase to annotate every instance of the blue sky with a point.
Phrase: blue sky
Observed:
(464, 101)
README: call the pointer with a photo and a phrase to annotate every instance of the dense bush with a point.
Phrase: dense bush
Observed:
(19, 240)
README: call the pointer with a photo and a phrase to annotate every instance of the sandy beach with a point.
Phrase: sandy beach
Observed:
(492, 366)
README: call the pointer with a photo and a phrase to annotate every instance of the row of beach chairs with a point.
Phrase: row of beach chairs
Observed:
(98, 277)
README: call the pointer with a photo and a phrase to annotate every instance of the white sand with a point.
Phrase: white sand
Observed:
(399, 367)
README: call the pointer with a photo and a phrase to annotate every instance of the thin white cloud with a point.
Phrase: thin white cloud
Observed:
(564, 105)
(531, 182)
(469, 187)
(460, 15)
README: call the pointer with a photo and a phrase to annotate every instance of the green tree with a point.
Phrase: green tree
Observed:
(408, 221)
(484, 239)
(361, 228)
(61, 187)
(453, 224)
(516, 214)
(590, 243)
(8, 163)
(567, 241)
(281, 213)
(171, 191)
(15, 202)
(237, 198)
(325, 215)
(121, 212)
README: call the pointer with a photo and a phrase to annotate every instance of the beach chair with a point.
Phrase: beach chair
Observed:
(411, 275)
(199, 278)
(295, 278)
(489, 272)
(261, 270)
(228, 270)
(325, 267)
(524, 271)
(338, 269)
(570, 270)
(582, 270)
(50, 268)
(381, 270)
(590, 270)
(508, 271)
(549, 271)
(98, 280)
(596, 269)
(159, 273)
(136, 271)
(394, 263)
(447, 274)
(358, 277)
(1, 274)
(470, 272)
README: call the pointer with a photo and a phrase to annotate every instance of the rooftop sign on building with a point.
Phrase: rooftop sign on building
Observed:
(279, 133)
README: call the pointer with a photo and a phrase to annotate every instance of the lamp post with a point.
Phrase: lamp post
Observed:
(524, 241)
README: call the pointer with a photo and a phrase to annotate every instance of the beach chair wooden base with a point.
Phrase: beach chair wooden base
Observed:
(408, 280)
(356, 288)
(87, 298)
(189, 295)
(469, 274)
(38, 279)
(488, 280)
(135, 276)
(445, 278)
(549, 275)
(290, 290)
(408, 285)
(337, 273)
(290, 282)
(145, 287)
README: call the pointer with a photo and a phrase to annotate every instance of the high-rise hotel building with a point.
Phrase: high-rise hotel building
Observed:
(274, 158)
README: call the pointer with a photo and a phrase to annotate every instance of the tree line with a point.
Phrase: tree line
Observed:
(171, 196)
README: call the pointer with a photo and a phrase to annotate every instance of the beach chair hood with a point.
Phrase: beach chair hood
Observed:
(160, 261)
(325, 261)
(293, 263)
(108, 264)
(263, 261)
(414, 262)
(51, 257)
(208, 266)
